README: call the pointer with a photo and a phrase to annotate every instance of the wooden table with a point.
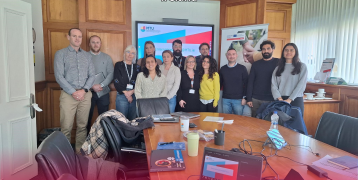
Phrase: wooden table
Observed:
(242, 128)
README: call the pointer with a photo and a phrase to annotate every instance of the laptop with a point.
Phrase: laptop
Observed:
(164, 118)
(226, 165)
(166, 160)
(190, 115)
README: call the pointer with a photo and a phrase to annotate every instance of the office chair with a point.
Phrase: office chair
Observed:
(339, 131)
(150, 106)
(135, 160)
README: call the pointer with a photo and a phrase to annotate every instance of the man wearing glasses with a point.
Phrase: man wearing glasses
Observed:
(104, 67)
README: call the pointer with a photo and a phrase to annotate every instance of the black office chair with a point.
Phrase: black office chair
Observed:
(339, 131)
(56, 157)
(150, 106)
(132, 158)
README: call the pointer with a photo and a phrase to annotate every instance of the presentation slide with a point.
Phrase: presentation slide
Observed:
(220, 169)
(162, 35)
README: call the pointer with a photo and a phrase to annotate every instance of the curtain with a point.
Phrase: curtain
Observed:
(327, 29)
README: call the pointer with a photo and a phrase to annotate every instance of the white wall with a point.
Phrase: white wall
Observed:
(36, 7)
(201, 12)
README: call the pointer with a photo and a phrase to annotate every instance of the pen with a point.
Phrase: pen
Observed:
(166, 143)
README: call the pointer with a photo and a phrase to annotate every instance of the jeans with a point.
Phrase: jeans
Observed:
(208, 107)
(172, 103)
(233, 106)
(126, 108)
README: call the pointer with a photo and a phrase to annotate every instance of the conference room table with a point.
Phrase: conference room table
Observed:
(243, 128)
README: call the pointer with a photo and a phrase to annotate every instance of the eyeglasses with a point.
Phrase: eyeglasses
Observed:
(177, 46)
(190, 62)
(133, 53)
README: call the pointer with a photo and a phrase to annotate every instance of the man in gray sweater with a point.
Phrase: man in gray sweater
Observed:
(103, 64)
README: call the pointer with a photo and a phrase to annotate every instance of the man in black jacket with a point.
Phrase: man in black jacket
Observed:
(259, 84)
(179, 60)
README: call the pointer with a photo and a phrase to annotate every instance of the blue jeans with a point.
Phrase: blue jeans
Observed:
(172, 103)
(233, 106)
(126, 108)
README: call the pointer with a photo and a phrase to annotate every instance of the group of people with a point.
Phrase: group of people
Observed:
(191, 84)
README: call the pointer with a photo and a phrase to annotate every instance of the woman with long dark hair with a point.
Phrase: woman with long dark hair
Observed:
(149, 50)
(150, 83)
(209, 85)
(290, 77)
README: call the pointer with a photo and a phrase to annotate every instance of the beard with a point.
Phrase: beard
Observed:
(94, 51)
(266, 55)
(177, 53)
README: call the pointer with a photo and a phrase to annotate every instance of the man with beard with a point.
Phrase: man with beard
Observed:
(179, 60)
(103, 64)
(233, 79)
(75, 74)
(204, 50)
(259, 84)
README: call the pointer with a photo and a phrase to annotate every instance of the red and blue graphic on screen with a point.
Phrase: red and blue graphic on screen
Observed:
(220, 169)
(163, 36)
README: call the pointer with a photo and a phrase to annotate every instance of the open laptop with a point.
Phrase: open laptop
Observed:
(164, 118)
(190, 115)
(226, 165)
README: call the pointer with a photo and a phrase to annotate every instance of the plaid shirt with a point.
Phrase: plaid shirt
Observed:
(96, 137)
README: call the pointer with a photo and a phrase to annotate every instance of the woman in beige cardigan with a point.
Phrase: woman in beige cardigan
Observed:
(172, 73)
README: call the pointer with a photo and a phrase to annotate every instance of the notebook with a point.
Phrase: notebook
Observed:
(98, 79)
(345, 162)
(166, 160)
(226, 165)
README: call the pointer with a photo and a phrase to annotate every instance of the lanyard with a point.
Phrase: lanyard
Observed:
(179, 64)
(129, 77)
(192, 80)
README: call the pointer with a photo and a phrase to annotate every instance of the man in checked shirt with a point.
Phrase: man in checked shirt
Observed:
(74, 72)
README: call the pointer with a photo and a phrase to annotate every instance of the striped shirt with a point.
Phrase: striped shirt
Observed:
(73, 70)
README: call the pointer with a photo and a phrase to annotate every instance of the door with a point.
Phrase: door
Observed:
(17, 127)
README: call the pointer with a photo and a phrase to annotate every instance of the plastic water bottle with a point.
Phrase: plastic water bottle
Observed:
(274, 121)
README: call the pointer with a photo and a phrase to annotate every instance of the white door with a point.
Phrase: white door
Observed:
(17, 128)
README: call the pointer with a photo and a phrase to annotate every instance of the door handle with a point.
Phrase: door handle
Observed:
(33, 106)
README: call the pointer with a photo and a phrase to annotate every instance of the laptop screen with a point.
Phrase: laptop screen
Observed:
(226, 165)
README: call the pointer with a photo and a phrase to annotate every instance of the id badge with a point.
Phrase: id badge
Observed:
(129, 86)
(192, 91)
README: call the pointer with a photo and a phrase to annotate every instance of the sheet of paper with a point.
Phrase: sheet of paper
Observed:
(213, 119)
(323, 163)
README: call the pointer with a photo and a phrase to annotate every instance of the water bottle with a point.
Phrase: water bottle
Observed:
(274, 121)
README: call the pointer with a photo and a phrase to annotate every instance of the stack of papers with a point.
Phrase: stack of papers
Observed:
(323, 163)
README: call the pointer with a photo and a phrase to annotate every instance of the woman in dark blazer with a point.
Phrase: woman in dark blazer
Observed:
(188, 93)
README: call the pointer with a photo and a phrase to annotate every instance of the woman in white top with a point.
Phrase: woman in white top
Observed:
(172, 73)
(150, 83)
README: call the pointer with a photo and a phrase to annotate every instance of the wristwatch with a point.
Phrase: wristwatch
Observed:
(102, 85)
(86, 90)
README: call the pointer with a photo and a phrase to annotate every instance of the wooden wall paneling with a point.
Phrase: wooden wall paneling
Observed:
(238, 14)
(113, 42)
(110, 11)
(60, 11)
(278, 16)
(350, 101)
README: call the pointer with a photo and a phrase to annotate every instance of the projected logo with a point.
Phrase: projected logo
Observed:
(148, 28)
